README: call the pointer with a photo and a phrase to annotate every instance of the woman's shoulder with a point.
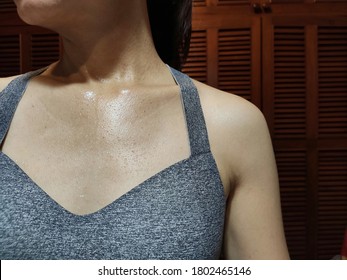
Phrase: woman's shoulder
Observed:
(230, 110)
(237, 130)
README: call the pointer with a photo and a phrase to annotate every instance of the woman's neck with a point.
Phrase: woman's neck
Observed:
(109, 48)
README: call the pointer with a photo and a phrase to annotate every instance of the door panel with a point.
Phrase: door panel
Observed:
(305, 103)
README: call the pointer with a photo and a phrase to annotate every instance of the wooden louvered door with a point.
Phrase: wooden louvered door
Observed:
(196, 64)
(284, 105)
(7, 6)
(225, 48)
(332, 135)
(24, 48)
(9, 42)
(9, 54)
(297, 76)
(305, 102)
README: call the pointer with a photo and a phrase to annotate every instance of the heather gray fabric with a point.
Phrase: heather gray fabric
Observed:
(177, 213)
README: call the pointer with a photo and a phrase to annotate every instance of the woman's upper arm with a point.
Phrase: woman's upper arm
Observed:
(254, 228)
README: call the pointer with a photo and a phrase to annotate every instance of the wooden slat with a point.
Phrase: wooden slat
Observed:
(199, 3)
(289, 83)
(288, 1)
(234, 61)
(292, 174)
(7, 6)
(196, 64)
(332, 202)
(332, 75)
(331, 1)
(44, 50)
(233, 2)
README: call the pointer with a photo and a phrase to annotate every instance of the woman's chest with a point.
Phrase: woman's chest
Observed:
(85, 161)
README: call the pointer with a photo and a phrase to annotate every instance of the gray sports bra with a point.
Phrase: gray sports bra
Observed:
(176, 214)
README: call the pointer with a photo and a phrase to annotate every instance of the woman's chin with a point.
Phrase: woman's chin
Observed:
(35, 12)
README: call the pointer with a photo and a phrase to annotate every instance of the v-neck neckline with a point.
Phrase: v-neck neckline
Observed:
(119, 199)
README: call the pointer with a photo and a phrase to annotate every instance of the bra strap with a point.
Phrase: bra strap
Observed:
(196, 125)
(9, 99)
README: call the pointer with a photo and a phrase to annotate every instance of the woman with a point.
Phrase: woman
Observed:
(105, 153)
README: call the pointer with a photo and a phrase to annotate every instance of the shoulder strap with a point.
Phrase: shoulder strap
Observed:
(196, 126)
(9, 99)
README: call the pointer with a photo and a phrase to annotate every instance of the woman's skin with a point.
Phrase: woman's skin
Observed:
(108, 116)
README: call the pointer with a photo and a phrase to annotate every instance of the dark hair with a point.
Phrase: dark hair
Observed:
(171, 25)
